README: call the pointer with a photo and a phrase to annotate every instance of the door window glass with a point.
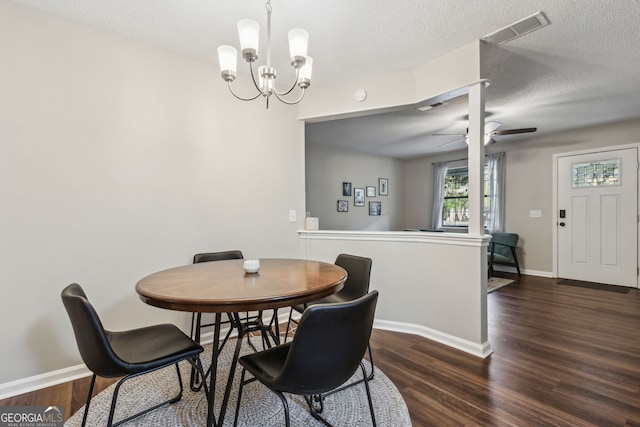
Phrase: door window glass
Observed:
(595, 174)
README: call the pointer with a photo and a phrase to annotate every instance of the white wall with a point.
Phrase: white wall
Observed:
(328, 167)
(431, 284)
(118, 160)
(529, 174)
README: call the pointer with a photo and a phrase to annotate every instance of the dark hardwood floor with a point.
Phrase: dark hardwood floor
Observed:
(563, 356)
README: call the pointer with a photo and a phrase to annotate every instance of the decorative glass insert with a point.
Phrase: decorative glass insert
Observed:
(596, 174)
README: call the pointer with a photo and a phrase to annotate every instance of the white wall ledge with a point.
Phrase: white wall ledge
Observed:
(456, 239)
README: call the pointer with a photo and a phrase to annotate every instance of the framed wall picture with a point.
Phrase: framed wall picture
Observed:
(371, 191)
(346, 189)
(375, 208)
(383, 186)
(343, 206)
(358, 197)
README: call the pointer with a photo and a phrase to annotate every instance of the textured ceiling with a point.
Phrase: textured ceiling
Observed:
(581, 70)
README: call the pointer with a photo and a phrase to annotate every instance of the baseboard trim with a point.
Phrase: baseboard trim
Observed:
(48, 379)
(524, 271)
(60, 376)
(480, 350)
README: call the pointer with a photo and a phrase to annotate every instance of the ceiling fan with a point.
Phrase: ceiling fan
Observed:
(491, 130)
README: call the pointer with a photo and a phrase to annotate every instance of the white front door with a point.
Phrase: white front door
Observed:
(597, 217)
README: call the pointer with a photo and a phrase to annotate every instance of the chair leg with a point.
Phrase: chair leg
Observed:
(86, 406)
(291, 319)
(315, 412)
(286, 408)
(286, 333)
(366, 386)
(369, 377)
(196, 320)
(243, 382)
(515, 260)
(235, 419)
(112, 411)
(373, 367)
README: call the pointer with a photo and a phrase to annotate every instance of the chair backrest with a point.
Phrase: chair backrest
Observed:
(329, 344)
(91, 337)
(217, 256)
(358, 276)
(503, 243)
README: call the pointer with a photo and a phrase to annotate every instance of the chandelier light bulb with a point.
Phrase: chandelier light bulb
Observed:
(304, 76)
(298, 42)
(228, 58)
(249, 34)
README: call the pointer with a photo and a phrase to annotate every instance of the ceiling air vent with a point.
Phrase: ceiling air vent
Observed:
(517, 29)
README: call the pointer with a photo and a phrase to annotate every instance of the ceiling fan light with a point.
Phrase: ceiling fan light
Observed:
(487, 139)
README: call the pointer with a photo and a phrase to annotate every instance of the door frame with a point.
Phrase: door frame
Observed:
(554, 215)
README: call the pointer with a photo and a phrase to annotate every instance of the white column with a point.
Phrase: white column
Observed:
(476, 158)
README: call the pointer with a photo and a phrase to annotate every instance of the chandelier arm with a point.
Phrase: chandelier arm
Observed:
(284, 101)
(295, 81)
(253, 77)
(239, 97)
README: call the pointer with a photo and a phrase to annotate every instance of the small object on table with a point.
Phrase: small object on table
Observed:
(251, 265)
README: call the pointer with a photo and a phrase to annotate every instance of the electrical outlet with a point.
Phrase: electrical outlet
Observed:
(292, 215)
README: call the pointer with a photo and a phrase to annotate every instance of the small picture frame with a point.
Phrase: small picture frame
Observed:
(358, 197)
(371, 191)
(375, 208)
(383, 186)
(343, 206)
(346, 189)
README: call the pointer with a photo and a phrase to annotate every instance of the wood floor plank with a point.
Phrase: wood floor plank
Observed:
(563, 356)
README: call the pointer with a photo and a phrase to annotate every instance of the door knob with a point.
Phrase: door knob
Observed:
(562, 224)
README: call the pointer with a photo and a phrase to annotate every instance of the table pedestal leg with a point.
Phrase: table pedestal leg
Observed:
(232, 369)
(215, 352)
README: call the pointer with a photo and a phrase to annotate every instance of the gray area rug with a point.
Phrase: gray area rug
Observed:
(495, 283)
(259, 407)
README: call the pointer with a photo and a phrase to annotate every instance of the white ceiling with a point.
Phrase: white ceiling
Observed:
(583, 69)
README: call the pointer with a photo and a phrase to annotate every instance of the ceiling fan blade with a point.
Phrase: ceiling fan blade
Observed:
(513, 131)
(451, 142)
(491, 126)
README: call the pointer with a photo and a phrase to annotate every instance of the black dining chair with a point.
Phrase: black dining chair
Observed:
(196, 318)
(244, 324)
(357, 284)
(126, 354)
(251, 322)
(325, 352)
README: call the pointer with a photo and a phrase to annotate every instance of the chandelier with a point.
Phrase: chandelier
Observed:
(248, 31)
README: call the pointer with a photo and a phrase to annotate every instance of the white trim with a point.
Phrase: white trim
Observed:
(480, 350)
(48, 379)
(524, 271)
(455, 239)
(60, 376)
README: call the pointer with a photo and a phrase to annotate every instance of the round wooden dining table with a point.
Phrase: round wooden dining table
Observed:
(224, 287)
